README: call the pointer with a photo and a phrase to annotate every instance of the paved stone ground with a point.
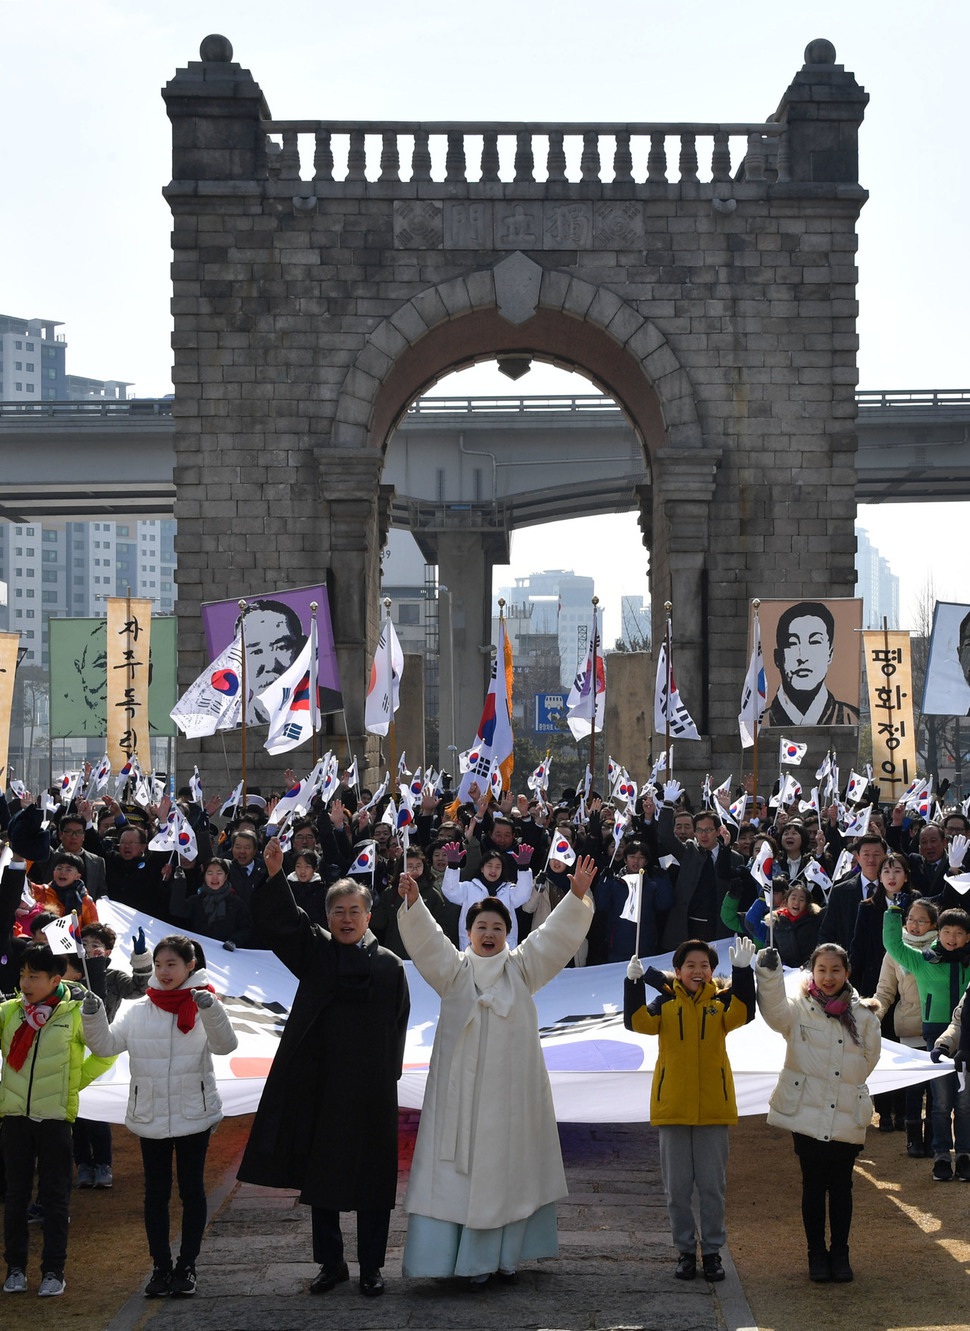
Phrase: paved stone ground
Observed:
(615, 1269)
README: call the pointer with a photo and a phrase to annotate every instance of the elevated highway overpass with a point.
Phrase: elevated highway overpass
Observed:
(488, 462)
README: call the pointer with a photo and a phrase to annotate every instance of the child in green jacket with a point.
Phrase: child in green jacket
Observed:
(44, 1070)
(942, 973)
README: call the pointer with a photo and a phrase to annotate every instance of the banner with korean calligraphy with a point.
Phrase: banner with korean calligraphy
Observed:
(79, 677)
(128, 640)
(889, 672)
(9, 643)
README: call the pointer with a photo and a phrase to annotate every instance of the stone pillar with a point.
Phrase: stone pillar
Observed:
(409, 722)
(684, 484)
(215, 107)
(629, 713)
(356, 509)
(823, 109)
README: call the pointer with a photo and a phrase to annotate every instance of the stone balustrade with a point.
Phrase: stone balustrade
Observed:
(450, 153)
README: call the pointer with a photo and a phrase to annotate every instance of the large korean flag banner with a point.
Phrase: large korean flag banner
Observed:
(600, 1072)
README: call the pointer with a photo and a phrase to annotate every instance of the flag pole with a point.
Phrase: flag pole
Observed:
(245, 696)
(639, 908)
(313, 699)
(754, 721)
(389, 682)
(500, 665)
(592, 685)
(668, 606)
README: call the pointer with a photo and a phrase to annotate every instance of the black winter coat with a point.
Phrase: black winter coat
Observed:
(327, 1120)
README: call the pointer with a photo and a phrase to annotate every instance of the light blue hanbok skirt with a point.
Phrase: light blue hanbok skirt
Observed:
(440, 1248)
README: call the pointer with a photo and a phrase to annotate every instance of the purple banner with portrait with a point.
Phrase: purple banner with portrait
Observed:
(277, 625)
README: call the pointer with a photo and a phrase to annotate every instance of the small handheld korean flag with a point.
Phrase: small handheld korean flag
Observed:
(561, 850)
(366, 859)
(814, 872)
(763, 865)
(631, 907)
(791, 753)
(61, 935)
(856, 788)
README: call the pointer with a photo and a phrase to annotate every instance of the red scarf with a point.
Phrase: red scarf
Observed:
(36, 1015)
(180, 1002)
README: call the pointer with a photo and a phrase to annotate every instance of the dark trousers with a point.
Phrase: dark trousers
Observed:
(92, 1142)
(328, 1243)
(156, 1157)
(826, 1174)
(46, 1146)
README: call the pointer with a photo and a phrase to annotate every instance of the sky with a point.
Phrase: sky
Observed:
(85, 230)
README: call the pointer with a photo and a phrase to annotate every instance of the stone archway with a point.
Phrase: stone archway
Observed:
(624, 353)
(703, 273)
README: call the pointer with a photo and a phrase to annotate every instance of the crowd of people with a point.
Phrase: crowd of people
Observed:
(489, 899)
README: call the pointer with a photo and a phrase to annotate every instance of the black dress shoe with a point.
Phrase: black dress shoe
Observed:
(372, 1285)
(324, 1281)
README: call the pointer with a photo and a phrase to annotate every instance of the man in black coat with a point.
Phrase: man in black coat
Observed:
(848, 893)
(327, 1120)
(701, 880)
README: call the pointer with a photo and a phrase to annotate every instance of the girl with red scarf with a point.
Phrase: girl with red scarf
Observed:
(173, 1102)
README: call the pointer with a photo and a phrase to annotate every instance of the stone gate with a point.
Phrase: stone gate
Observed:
(326, 273)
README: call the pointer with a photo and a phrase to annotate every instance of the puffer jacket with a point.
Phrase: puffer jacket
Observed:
(692, 1081)
(822, 1090)
(173, 1089)
(55, 1070)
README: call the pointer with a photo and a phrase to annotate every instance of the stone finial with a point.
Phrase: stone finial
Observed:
(820, 52)
(217, 49)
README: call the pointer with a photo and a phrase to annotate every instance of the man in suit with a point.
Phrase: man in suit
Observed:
(699, 891)
(848, 893)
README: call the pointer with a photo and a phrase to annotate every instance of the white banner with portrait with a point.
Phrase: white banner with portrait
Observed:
(946, 689)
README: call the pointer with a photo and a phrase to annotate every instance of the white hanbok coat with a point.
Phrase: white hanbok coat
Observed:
(487, 1152)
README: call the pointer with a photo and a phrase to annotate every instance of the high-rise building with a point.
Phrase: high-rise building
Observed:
(876, 584)
(68, 569)
(32, 360)
(555, 601)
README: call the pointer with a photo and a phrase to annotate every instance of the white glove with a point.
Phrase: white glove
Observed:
(958, 851)
(672, 791)
(743, 954)
(634, 971)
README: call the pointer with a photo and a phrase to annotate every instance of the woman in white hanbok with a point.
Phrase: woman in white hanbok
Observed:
(487, 1169)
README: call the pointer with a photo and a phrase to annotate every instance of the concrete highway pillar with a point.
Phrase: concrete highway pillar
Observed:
(465, 559)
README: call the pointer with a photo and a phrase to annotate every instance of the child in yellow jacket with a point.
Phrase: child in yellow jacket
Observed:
(692, 1098)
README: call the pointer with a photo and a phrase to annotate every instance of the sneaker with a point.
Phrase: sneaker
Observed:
(963, 1167)
(35, 1214)
(942, 1170)
(711, 1262)
(686, 1267)
(102, 1176)
(85, 1176)
(52, 1285)
(182, 1284)
(16, 1281)
(160, 1284)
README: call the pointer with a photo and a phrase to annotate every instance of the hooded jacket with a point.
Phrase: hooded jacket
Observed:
(692, 1081)
(55, 1070)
